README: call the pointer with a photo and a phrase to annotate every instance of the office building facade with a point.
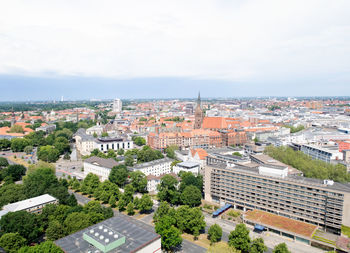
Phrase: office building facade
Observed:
(270, 188)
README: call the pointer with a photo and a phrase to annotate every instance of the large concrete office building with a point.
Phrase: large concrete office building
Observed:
(271, 188)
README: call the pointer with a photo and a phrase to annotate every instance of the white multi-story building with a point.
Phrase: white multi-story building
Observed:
(32, 205)
(86, 143)
(117, 105)
(99, 166)
(155, 168)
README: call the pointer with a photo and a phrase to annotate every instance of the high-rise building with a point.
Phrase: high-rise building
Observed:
(117, 105)
(271, 188)
(198, 114)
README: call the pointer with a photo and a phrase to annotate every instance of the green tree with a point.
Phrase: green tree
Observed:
(129, 191)
(281, 248)
(170, 151)
(55, 230)
(12, 242)
(162, 210)
(48, 153)
(187, 178)
(258, 246)
(22, 222)
(90, 184)
(214, 233)
(44, 247)
(130, 209)
(118, 175)
(39, 181)
(170, 235)
(145, 204)
(112, 201)
(237, 154)
(138, 140)
(76, 221)
(239, 238)
(120, 151)
(5, 144)
(18, 144)
(138, 180)
(104, 134)
(65, 132)
(62, 145)
(191, 196)
(28, 149)
(14, 171)
(167, 190)
(10, 193)
(3, 162)
(111, 153)
(122, 203)
(129, 161)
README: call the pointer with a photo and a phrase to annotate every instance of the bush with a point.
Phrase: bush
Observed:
(234, 213)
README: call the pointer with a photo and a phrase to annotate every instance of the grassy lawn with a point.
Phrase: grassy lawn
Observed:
(345, 230)
(18, 161)
(221, 247)
(202, 240)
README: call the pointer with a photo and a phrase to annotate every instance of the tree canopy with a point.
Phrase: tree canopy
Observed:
(281, 248)
(118, 175)
(310, 168)
(214, 233)
(239, 238)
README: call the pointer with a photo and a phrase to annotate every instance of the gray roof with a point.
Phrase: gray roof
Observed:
(138, 235)
(83, 135)
(28, 203)
(102, 162)
(188, 164)
(292, 178)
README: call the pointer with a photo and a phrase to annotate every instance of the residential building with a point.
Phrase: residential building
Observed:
(86, 143)
(114, 235)
(270, 188)
(99, 166)
(32, 205)
(46, 128)
(117, 105)
(155, 168)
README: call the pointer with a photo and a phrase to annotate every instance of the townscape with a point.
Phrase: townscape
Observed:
(183, 175)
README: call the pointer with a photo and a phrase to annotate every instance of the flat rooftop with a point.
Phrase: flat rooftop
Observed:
(28, 203)
(137, 235)
(279, 222)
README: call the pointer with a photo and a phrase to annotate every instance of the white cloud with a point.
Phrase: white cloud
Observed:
(218, 39)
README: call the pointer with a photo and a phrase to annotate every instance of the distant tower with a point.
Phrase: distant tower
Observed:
(198, 115)
(117, 105)
(62, 99)
(13, 118)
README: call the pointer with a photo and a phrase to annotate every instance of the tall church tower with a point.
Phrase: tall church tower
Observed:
(198, 115)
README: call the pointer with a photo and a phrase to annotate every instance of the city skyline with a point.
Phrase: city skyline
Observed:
(226, 49)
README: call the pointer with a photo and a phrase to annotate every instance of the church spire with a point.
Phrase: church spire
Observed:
(199, 98)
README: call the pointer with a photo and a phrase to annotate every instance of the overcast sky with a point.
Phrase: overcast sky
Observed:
(106, 49)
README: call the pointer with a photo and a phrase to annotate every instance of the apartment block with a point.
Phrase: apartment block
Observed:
(271, 188)
(155, 168)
